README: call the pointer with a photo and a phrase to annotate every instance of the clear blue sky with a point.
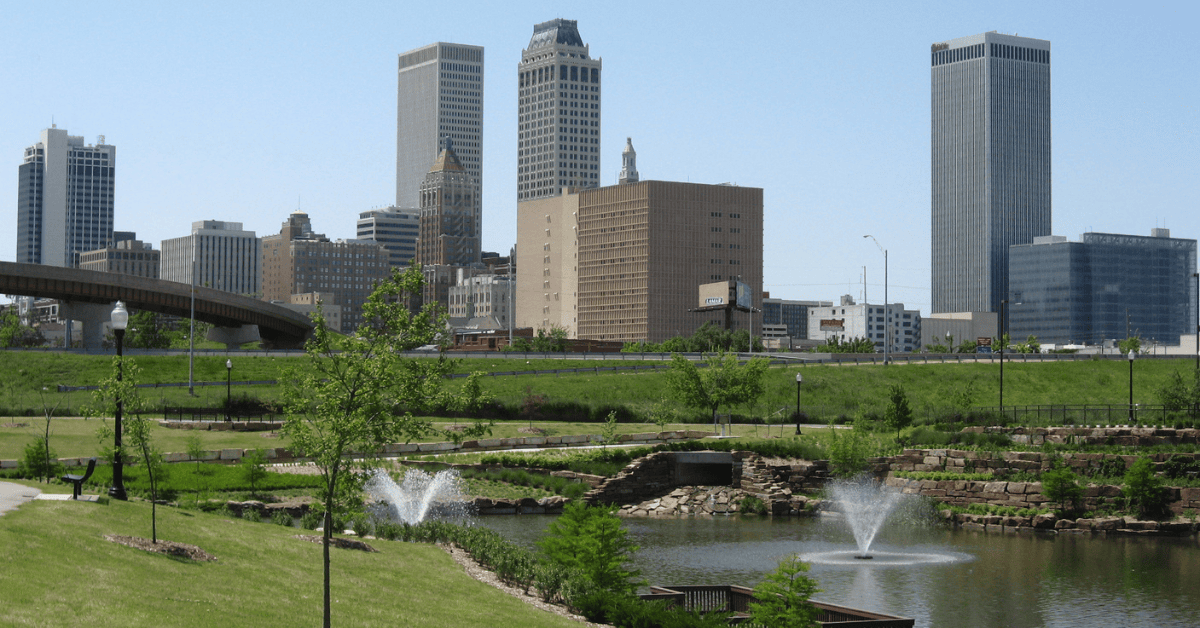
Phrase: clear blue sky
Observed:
(244, 111)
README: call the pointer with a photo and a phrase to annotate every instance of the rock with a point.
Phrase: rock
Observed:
(1045, 521)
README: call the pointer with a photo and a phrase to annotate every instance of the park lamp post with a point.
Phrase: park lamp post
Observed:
(887, 318)
(799, 378)
(228, 383)
(120, 320)
(1131, 357)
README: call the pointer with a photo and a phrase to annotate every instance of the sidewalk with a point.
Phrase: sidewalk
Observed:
(13, 495)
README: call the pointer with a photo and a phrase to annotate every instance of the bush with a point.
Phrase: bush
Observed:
(281, 518)
(1177, 467)
(36, 464)
(591, 539)
(1061, 485)
(1143, 490)
(848, 452)
(751, 505)
(252, 515)
(311, 520)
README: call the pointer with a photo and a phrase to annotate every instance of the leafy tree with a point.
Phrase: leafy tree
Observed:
(937, 348)
(964, 397)
(146, 331)
(724, 382)
(591, 539)
(48, 411)
(1132, 343)
(834, 344)
(662, 413)
(121, 386)
(849, 451)
(358, 393)
(1061, 485)
(782, 597)
(898, 414)
(141, 445)
(967, 346)
(1143, 490)
(608, 432)
(1178, 394)
(195, 450)
(14, 334)
(254, 468)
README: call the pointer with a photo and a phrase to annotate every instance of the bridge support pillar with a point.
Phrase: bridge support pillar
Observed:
(234, 337)
(92, 315)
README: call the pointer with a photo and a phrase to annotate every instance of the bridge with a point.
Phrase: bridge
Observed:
(88, 296)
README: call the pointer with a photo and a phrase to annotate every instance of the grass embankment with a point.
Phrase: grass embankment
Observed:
(59, 571)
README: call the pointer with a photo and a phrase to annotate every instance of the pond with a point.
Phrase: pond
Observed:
(988, 579)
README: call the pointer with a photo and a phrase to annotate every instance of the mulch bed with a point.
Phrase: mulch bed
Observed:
(170, 548)
(337, 542)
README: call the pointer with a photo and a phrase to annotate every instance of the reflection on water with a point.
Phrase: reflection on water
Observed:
(997, 580)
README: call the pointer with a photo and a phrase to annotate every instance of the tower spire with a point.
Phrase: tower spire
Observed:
(629, 173)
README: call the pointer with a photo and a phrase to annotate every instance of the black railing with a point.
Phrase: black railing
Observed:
(735, 599)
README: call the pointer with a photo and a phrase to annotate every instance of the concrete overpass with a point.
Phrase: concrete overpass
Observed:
(88, 296)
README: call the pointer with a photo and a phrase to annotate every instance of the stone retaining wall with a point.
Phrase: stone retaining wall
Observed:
(1003, 462)
(1119, 435)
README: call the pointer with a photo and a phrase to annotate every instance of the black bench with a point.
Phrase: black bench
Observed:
(78, 480)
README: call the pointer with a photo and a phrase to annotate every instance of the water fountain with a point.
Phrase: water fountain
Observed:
(865, 505)
(419, 497)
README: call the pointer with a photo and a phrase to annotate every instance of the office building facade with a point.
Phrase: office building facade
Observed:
(449, 218)
(226, 256)
(394, 228)
(343, 272)
(1103, 287)
(625, 262)
(849, 320)
(990, 163)
(791, 315)
(65, 191)
(127, 257)
(439, 95)
(559, 113)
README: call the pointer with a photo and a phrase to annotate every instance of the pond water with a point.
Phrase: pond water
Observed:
(1011, 580)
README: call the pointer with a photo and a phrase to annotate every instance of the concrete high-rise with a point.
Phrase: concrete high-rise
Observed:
(990, 163)
(64, 199)
(439, 95)
(396, 229)
(559, 120)
(218, 255)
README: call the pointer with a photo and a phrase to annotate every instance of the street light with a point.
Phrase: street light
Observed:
(1197, 276)
(1131, 356)
(887, 324)
(120, 320)
(228, 383)
(799, 378)
(1003, 341)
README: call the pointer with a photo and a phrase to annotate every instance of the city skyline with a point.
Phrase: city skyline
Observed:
(836, 132)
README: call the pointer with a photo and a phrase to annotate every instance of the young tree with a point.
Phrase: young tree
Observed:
(254, 468)
(142, 450)
(121, 387)
(898, 414)
(1061, 485)
(782, 597)
(724, 382)
(591, 539)
(357, 393)
(49, 411)
(1132, 343)
(1143, 490)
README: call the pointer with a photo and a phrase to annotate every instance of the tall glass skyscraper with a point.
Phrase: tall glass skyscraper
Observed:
(439, 95)
(64, 199)
(559, 105)
(990, 163)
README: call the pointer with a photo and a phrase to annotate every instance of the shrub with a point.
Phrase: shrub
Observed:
(281, 518)
(1180, 466)
(751, 505)
(311, 520)
(254, 468)
(36, 464)
(848, 452)
(591, 539)
(1061, 485)
(781, 600)
(252, 515)
(1143, 490)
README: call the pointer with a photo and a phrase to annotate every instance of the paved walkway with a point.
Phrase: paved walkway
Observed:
(13, 495)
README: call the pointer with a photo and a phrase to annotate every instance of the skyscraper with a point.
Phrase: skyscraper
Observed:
(990, 163)
(439, 95)
(64, 199)
(559, 105)
(218, 255)
(449, 223)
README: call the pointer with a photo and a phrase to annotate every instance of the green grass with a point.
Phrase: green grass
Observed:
(59, 571)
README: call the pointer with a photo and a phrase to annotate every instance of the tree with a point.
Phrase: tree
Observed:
(724, 382)
(967, 346)
(14, 334)
(591, 539)
(1132, 343)
(137, 431)
(1061, 485)
(121, 387)
(1178, 394)
(147, 332)
(49, 413)
(782, 597)
(835, 344)
(898, 414)
(254, 468)
(357, 393)
(1143, 490)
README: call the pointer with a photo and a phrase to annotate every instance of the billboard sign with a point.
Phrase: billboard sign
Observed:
(743, 296)
(833, 324)
(714, 294)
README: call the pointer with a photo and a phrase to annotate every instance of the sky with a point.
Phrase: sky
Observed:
(247, 111)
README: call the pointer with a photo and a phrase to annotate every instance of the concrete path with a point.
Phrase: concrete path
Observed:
(13, 495)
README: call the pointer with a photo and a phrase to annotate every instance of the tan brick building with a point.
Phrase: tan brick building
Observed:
(624, 262)
(345, 272)
(128, 257)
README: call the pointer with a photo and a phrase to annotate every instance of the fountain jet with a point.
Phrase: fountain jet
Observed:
(866, 504)
(419, 496)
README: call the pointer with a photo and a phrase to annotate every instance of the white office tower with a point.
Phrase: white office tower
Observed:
(559, 105)
(64, 199)
(226, 258)
(439, 95)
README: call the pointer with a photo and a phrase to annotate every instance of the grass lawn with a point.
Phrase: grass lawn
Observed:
(59, 571)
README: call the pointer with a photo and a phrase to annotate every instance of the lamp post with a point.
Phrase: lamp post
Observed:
(1131, 356)
(1000, 333)
(120, 320)
(799, 378)
(887, 323)
(228, 383)
(1197, 276)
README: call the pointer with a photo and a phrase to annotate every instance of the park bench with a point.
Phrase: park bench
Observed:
(78, 480)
